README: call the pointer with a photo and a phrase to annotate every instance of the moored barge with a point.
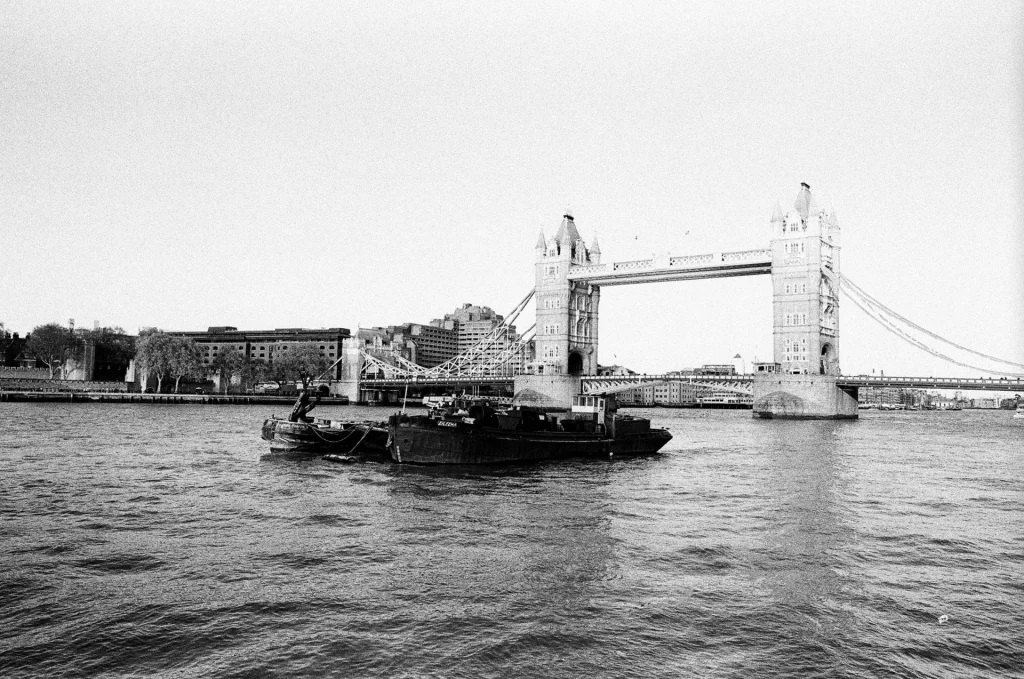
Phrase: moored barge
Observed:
(477, 433)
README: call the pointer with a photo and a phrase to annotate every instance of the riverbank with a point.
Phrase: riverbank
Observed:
(127, 397)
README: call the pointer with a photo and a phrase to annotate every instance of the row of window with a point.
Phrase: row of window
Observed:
(241, 347)
(552, 328)
(795, 288)
(795, 248)
(580, 302)
(795, 319)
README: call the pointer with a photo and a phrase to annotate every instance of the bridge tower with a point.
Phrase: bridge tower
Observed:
(805, 269)
(567, 311)
(805, 282)
(566, 340)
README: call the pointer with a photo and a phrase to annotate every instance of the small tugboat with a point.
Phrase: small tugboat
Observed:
(301, 433)
(325, 436)
(477, 433)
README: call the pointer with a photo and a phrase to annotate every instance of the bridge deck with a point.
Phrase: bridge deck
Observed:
(691, 267)
(592, 382)
(965, 383)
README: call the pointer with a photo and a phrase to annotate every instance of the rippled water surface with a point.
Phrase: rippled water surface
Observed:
(163, 540)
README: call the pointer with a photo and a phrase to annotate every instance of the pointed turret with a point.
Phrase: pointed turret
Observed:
(567, 233)
(803, 201)
(812, 207)
(542, 242)
(777, 215)
(595, 249)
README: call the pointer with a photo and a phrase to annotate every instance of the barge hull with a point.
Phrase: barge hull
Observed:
(435, 445)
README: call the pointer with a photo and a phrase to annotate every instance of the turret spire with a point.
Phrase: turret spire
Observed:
(803, 200)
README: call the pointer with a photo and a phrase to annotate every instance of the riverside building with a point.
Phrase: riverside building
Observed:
(262, 346)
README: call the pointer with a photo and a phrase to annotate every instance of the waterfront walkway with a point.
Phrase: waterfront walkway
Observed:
(127, 397)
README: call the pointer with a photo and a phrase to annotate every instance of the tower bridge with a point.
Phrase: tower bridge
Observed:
(558, 357)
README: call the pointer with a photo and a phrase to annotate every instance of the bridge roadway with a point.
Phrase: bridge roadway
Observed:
(594, 383)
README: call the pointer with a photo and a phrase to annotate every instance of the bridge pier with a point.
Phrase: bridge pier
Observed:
(546, 391)
(351, 365)
(803, 397)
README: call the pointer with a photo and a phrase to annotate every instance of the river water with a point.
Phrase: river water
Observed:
(163, 540)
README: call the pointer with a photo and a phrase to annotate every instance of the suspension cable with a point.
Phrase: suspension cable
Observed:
(888, 325)
(852, 287)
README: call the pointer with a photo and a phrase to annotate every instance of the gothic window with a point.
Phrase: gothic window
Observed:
(788, 288)
(551, 271)
(803, 287)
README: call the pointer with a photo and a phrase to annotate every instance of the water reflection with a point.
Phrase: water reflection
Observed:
(807, 534)
(527, 545)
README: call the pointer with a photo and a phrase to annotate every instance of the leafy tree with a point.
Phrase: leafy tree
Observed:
(299, 362)
(185, 360)
(54, 345)
(114, 351)
(114, 343)
(153, 354)
(254, 372)
(5, 342)
(226, 364)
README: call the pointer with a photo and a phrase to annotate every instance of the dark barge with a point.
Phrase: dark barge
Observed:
(477, 433)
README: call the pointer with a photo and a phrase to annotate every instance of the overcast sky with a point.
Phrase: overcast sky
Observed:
(269, 165)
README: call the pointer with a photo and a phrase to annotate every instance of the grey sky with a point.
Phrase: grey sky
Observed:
(276, 165)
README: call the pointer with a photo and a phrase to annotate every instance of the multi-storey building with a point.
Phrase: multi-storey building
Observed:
(473, 324)
(262, 346)
(429, 345)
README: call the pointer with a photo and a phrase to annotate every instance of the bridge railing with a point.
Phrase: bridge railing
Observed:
(868, 380)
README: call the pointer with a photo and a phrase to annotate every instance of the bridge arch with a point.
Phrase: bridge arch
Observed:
(828, 363)
(575, 363)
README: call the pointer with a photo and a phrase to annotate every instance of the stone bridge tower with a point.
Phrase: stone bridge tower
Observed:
(565, 345)
(566, 339)
(805, 285)
(805, 270)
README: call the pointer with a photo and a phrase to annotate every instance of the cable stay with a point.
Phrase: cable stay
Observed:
(852, 287)
(883, 316)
